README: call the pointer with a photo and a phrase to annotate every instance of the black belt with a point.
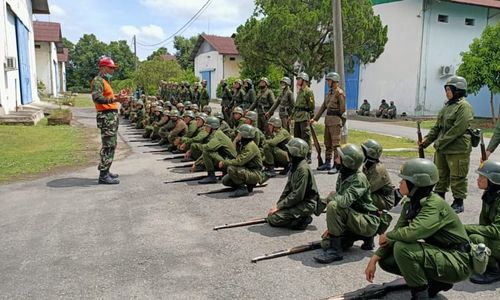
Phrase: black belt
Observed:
(106, 111)
(332, 113)
(465, 248)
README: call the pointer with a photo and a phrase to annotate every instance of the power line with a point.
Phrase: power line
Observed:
(182, 29)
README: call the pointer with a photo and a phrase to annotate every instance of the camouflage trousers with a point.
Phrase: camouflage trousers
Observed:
(107, 122)
(287, 217)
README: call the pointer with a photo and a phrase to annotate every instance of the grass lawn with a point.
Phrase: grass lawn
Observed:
(83, 100)
(30, 150)
(388, 142)
(485, 125)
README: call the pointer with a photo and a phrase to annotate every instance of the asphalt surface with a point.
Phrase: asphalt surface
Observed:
(67, 237)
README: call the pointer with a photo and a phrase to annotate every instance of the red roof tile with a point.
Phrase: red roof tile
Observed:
(223, 45)
(167, 57)
(47, 31)
(486, 3)
(63, 57)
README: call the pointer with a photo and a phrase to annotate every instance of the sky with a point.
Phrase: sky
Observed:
(153, 21)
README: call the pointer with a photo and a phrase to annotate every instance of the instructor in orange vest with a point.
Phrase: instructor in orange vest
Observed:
(106, 104)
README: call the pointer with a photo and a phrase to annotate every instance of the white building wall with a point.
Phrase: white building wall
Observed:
(43, 65)
(232, 67)
(210, 61)
(10, 91)
(394, 75)
(53, 70)
(62, 77)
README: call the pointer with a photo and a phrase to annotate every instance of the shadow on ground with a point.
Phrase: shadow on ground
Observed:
(72, 182)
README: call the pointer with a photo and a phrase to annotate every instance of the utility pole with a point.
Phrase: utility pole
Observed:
(135, 51)
(339, 53)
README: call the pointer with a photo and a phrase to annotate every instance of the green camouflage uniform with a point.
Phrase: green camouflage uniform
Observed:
(382, 190)
(391, 111)
(179, 130)
(286, 103)
(495, 139)
(204, 97)
(275, 152)
(382, 109)
(196, 97)
(165, 129)
(245, 168)
(226, 104)
(192, 129)
(263, 102)
(302, 113)
(238, 97)
(364, 109)
(248, 99)
(298, 199)
(219, 147)
(195, 144)
(434, 258)
(453, 147)
(224, 126)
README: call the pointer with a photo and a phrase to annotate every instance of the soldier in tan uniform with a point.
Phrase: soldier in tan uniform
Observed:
(334, 105)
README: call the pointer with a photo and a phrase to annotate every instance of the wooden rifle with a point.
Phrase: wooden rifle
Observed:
(373, 291)
(421, 152)
(483, 148)
(226, 189)
(316, 145)
(241, 224)
(297, 249)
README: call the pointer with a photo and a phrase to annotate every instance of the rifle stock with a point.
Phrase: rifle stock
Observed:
(227, 189)
(373, 291)
(194, 178)
(483, 148)
(421, 152)
(180, 167)
(316, 145)
(294, 250)
(241, 224)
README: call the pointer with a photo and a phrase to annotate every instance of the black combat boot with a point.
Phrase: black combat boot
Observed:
(209, 179)
(334, 253)
(285, 170)
(435, 287)
(301, 223)
(112, 175)
(368, 243)
(104, 178)
(489, 276)
(250, 187)
(327, 166)
(334, 170)
(419, 293)
(458, 205)
(241, 191)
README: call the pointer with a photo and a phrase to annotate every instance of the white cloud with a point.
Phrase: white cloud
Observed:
(146, 32)
(129, 30)
(56, 10)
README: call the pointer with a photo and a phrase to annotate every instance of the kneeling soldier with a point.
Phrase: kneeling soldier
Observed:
(382, 190)
(488, 230)
(350, 213)
(245, 171)
(250, 118)
(275, 150)
(428, 246)
(299, 198)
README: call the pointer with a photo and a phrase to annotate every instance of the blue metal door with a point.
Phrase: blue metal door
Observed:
(23, 62)
(207, 75)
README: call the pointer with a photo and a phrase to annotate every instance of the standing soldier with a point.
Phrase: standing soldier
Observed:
(250, 96)
(263, 102)
(285, 102)
(204, 96)
(299, 199)
(303, 111)
(238, 93)
(227, 99)
(196, 94)
(428, 246)
(275, 148)
(334, 105)
(106, 104)
(452, 142)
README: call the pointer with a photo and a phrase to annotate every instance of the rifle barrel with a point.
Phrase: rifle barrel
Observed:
(483, 148)
(293, 250)
(241, 224)
(421, 153)
(316, 144)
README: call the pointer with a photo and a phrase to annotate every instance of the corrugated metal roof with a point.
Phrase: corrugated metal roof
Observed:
(47, 31)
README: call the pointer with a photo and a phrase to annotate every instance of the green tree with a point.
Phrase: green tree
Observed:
(123, 56)
(184, 47)
(157, 53)
(296, 35)
(150, 73)
(84, 60)
(481, 64)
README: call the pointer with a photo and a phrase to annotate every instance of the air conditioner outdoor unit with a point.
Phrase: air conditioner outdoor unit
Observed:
(447, 70)
(10, 63)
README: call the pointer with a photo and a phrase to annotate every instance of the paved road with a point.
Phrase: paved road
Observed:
(67, 237)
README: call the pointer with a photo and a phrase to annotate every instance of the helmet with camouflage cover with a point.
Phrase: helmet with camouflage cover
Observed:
(248, 80)
(213, 122)
(173, 113)
(286, 80)
(247, 131)
(303, 76)
(238, 110)
(458, 82)
(333, 76)
(372, 149)
(207, 109)
(420, 172)
(275, 122)
(219, 115)
(202, 116)
(265, 80)
(251, 115)
(352, 156)
(491, 170)
(190, 114)
(297, 147)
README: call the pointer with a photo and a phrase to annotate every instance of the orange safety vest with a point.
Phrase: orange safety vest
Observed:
(108, 94)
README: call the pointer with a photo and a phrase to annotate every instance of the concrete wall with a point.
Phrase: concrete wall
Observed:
(9, 81)
(232, 67)
(62, 77)
(46, 62)
(394, 75)
(210, 61)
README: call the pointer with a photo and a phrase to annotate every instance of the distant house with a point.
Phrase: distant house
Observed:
(48, 44)
(62, 59)
(168, 57)
(215, 58)
(17, 52)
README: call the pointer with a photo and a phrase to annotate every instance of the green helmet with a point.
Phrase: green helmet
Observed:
(238, 81)
(286, 80)
(297, 147)
(213, 122)
(140, 103)
(352, 156)
(275, 121)
(194, 107)
(421, 172)
(179, 105)
(333, 76)
(372, 149)
(247, 131)
(168, 103)
(219, 115)
(458, 82)
(251, 115)
(249, 81)
(159, 109)
(304, 76)
(202, 116)
(238, 110)
(491, 170)
(265, 80)
(189, 113)
(207, 109)
(173, 113)
(187, 104)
